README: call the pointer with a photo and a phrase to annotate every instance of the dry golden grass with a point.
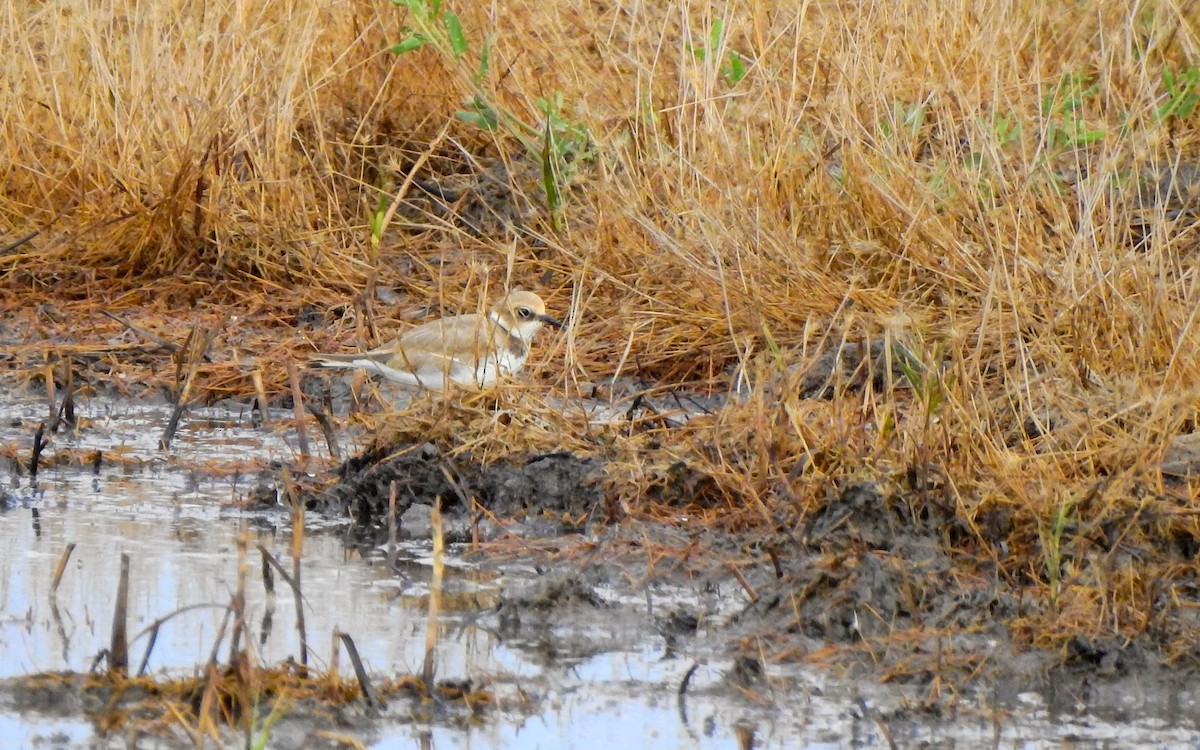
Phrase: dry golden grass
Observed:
(958, 178)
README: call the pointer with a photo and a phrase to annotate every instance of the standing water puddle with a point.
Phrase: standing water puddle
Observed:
(606, 685)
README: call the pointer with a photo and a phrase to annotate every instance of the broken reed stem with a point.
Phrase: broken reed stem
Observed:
(267, 623)
(18, 242)
(39, 442)
(733, 569)
(172, 425)
(393, 526)
(51, 396)
(683, 684)
(476, 517)
(435, 595)
(260, 395)
(216, 649)
(170, 346)
(326, 425)
(238, 604)
(184, 358)
(333, 671)
(61, 568)
(67, 412)
(118, 647)
(298, 408)
(278, 567)
(364, 682)
(195, 354)
(63, 413)
(297, 550)
(152, 640)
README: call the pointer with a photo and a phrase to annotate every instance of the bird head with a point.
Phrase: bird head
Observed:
(523, 314)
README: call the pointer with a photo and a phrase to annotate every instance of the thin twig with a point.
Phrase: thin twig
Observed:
(170, 346)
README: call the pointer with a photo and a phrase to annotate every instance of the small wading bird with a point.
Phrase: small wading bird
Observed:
(471, 351)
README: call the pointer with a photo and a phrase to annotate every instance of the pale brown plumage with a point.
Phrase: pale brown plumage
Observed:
(471, 351)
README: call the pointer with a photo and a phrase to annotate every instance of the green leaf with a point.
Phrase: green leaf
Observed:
(1007, 129)
(414, 42)
(485, 59)
(550, 182)
(375, 220)
(1182, 96)
(715, 34)
(735, 71)
(454, 30)
(481, 116)
(913, 117)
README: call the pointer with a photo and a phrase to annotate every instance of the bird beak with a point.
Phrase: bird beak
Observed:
(550, 320)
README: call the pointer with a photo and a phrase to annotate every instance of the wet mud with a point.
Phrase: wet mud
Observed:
(565, 618)
(888, 580)
(424, 474)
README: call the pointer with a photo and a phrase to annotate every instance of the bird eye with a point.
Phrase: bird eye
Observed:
(524, 312)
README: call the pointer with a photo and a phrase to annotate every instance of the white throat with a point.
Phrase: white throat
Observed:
(514, 330)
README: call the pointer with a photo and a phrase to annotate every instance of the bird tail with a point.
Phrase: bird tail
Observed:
(336, 360)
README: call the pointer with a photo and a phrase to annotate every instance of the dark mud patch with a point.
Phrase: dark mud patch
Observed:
(901, 583)
(558, 484)
(561, 617)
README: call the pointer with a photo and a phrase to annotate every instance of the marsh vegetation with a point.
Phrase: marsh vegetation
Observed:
(937, 262)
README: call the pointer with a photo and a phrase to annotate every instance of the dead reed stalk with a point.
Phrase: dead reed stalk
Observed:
(429, 666)
(61, 567)
(118, 648)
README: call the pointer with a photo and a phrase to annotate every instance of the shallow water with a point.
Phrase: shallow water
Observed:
(604, 686)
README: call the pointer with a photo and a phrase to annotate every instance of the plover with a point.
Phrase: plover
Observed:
(471, 351)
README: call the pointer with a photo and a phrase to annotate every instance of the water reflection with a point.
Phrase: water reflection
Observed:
(608, 688)
(182, 532)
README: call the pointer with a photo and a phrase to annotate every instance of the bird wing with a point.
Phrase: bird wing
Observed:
(458, 336)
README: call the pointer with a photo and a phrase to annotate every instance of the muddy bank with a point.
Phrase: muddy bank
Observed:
(549, 483)
(899, 583)
(571, 609)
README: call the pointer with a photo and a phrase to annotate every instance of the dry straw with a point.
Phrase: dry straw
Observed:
(1003, 191)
